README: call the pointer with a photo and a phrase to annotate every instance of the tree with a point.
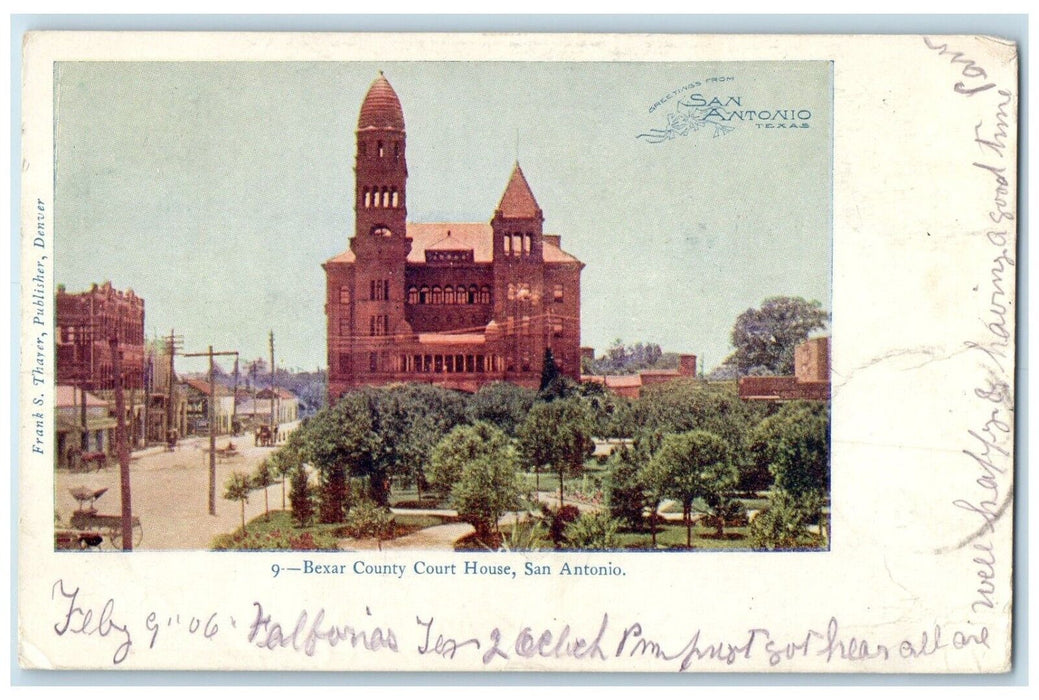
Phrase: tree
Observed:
(502, 404)
(458, 448)
(794, 445)
(487, 486)
(624, 489)
(765, 337)
(682, 405)
(629, 359)
(237, 488)
(301, 497)
(557, 435)
(410, 419)
(285, 459)
(263, 478)
(549, 370)
(340, 442)
(692, 465)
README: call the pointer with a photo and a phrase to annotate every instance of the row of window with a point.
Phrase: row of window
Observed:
(378, 325)
(380, 149)
(518, 243)
(427, 364)
(381, 198)
(437, 363)
(449, 295)
(99, 331)
(379, 290)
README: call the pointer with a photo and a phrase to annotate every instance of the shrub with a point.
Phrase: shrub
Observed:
(594, 531)
(558, 520)
(367, 519)
(301, 497)
(254, 540)
(784, 524)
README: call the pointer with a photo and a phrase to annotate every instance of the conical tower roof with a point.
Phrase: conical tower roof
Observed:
(518, 201)
(381, 107)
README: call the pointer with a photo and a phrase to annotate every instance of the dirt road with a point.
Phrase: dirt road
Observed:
(170, 492)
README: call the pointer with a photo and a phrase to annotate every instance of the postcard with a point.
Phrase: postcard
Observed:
(467, 352)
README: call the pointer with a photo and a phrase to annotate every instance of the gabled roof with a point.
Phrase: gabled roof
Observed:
(449, 243)
(518, 201)
(201, 385)
(466, 236)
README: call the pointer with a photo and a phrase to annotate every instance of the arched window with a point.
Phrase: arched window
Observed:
(438, 296)
(508, 244)
(380, 230)
(385, 197)
(460, 294)
(367, 198)
(423, 295)
(511, 292)
(393, 198)
(449, 294)
(527, 241)
(380, 149)
(472, 294)
(485, 294)
(517, 243)
(413, 295)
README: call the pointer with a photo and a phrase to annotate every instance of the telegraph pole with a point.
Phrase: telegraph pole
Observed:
(121, 443)
(172, 342)
(273, 431)
(234, 404)
(212, 420)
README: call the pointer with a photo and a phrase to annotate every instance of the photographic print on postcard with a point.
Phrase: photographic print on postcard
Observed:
(464, 306)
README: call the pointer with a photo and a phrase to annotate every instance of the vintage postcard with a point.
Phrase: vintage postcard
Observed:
(517, 352)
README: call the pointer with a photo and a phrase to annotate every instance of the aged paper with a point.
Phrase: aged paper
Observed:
(420, 217)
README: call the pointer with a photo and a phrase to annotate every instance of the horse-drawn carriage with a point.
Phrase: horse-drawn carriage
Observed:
(264, 436)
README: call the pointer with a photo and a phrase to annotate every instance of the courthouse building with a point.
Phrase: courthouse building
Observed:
(453, 304)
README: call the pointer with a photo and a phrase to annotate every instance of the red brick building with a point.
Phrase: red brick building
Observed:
(85, 323)
(453, 304)
(811, 380)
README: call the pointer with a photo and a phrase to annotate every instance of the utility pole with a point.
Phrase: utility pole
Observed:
(121, 443)
(212, 420)
(234, 404)
(273, 430)
(173, 341)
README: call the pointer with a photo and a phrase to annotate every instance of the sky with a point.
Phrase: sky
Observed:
(215, 190)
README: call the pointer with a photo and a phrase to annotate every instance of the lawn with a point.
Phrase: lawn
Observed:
(670, 536)
(280, 532)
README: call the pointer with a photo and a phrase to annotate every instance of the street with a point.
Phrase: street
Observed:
(170, 492)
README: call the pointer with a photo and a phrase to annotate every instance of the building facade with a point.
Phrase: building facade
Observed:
(811, 380)
(454, 304)
(86, 322)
